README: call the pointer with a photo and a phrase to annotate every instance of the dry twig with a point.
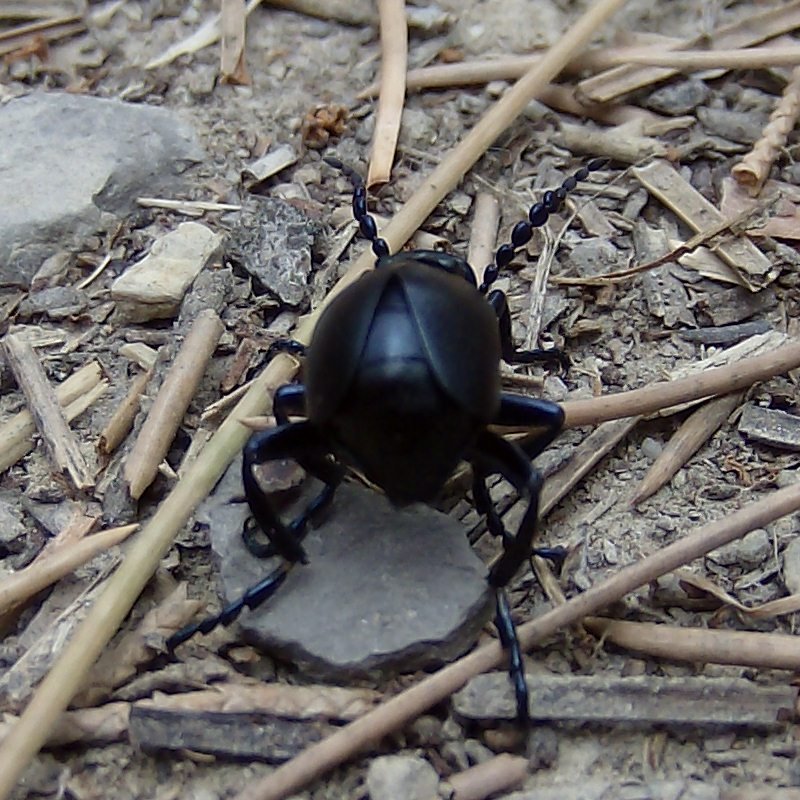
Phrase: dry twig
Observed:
(483, 233)
(392, 715)
(394, 57)
(173, 399)
(499, 774)
(753, 169)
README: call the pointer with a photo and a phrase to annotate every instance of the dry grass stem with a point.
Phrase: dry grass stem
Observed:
(506, 68)
(750, 30)
(753, 169)
(720, 380)
(483, 233)
(16, 434)
(122, 589)
(454, 166)
(61, 444)
(685, 442)
(19, 586)
(233, 23)
(394, 58)
(121, 422)
(363, 733)
(499, 774)
(694, 60)
(700, 645)
(177, 391)
(48, 30)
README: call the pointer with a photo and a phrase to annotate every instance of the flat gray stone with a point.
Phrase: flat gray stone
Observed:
(385, 589)
(71, 164)
(272, 240)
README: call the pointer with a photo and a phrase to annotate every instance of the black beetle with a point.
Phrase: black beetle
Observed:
(402, 382)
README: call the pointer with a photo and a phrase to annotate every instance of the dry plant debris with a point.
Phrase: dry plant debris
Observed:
(669, 286)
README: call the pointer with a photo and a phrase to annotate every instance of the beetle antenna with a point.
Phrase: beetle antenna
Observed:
(539, 213)
(366, 222)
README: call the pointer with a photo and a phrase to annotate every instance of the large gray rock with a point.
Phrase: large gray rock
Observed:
(71, 164)
(385, 589)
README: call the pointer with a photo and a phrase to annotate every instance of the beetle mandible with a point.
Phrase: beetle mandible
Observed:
(402, 382)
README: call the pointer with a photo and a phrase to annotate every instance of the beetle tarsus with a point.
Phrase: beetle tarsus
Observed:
(516, 667)
(252, 598)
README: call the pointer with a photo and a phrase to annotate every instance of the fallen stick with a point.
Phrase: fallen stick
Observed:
(177, 391)
(366, 731)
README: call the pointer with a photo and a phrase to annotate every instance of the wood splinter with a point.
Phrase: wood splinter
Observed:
(46, 411)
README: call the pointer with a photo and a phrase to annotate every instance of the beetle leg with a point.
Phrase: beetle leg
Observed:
(547, 417)
(289, 400)
(495, 454)
(553, 357)
(252, 598)
(302, 442)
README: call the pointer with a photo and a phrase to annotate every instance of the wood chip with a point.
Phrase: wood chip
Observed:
(43, 404)
(250, 735)
(771, 426)
(649, 700)
(665, 183)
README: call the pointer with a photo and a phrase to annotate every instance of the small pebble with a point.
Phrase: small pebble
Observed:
(401, 778)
